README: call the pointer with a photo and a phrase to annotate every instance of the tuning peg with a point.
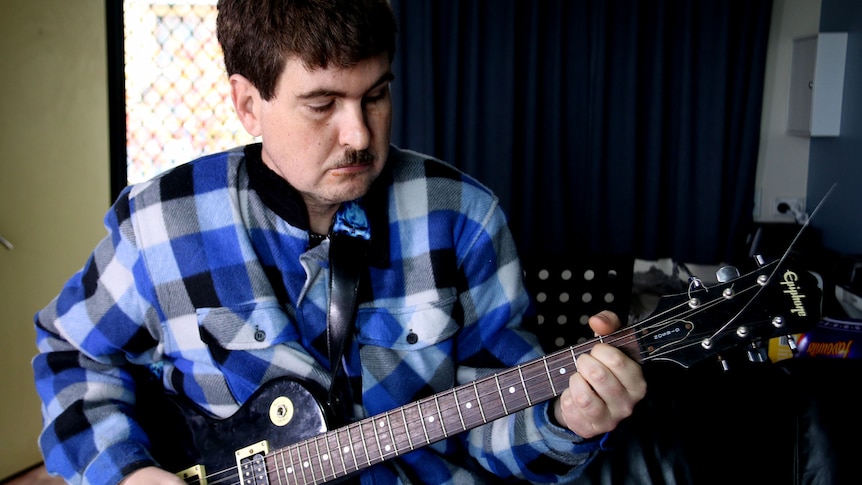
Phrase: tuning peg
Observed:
(725, 365)
(791, 343)
(756, 353)
(726, 273)
(759, 261)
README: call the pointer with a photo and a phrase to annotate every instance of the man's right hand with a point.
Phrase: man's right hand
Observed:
(152, 476)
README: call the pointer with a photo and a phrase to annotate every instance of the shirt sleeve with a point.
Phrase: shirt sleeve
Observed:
(526, 444)
(86, 338)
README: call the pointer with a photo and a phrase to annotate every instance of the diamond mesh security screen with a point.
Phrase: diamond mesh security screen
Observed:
(178, 103)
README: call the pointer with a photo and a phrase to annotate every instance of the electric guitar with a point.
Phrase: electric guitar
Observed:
(280, 435)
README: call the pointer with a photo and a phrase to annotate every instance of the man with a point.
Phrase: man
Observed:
(215, 277)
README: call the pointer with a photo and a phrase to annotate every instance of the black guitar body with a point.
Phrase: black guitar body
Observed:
(183, 436)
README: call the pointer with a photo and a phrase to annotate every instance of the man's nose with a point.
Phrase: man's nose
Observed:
(354, 130)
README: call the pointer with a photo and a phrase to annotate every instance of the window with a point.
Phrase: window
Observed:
(174, 98)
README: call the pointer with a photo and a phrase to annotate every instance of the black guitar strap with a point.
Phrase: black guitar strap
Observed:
(347, 258)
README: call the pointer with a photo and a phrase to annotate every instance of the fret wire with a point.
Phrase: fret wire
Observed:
(553, 367)
(277, 468)
(440, 414)
(410, 422)
(450, 412)
(479, 402)
(288, 468)
(341, 451)
(376, 438)
(308, 464)
(550, 377)
(510, 381)
(543, 380)
(296, 470)
(534, 375)
(522, 380)
(372, 427)
(472, 413)
(556, 372)
(458, 408)
(352, 448)
(317, 456)
(327, 458)
(297, 467)
(391, 433)
(406, 445)
(500, 392)
(268, 469)
(406, 428)
(524, 385)
(487, 388)
(429, 418)
(364, 443)
(422, 420)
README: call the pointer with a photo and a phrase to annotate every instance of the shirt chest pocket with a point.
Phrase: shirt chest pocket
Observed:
(252, 326)
(422, 323)
(407, 351)
(243, 341)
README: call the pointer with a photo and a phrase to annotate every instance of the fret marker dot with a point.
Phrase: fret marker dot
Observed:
(511, 390)
(469, 405)
(305, 464)
(289, 470)
(387, 447)
(430, 419)
(325, 457)
(382, 424)
(346, 450)
(563, 370)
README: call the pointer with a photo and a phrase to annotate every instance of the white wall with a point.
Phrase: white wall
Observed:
(782, 169)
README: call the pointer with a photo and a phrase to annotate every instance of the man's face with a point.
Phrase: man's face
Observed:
(325, 131)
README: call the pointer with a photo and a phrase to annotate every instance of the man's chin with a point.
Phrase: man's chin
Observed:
(351, 188)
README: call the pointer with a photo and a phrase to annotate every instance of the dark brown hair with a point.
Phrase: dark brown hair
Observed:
(258, 36)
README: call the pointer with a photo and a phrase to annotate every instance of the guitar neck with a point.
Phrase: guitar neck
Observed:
(340, 452)
(686, 328)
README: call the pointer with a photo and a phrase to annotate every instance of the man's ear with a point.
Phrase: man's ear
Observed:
(247, 103)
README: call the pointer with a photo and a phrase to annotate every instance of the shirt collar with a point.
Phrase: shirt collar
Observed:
(283, 199)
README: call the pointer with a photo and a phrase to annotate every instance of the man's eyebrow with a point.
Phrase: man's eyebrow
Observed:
(387, 77)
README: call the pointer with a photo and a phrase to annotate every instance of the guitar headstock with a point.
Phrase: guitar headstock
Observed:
(741, 313)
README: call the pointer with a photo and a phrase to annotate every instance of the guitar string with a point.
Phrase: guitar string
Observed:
(786, 253)
(441, 411)
(625, 336)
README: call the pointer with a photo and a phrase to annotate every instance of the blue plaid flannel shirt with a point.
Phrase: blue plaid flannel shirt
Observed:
(200, 278)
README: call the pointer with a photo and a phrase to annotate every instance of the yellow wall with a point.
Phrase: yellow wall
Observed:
(53, 184)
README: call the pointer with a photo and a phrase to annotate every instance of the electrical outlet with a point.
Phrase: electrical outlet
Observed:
(788, 206)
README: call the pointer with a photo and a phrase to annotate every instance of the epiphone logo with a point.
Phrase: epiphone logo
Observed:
(790, 288)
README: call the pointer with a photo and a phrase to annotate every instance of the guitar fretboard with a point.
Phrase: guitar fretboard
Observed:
(338, 453)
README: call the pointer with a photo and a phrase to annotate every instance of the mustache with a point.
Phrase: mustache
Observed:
(355, 157)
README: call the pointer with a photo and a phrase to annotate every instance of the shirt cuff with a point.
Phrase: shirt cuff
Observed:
(597, 442)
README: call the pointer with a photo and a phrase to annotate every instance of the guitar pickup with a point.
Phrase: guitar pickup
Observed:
(194, 474)
(251, 465)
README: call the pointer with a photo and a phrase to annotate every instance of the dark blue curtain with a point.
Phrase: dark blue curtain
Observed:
(605, 126)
